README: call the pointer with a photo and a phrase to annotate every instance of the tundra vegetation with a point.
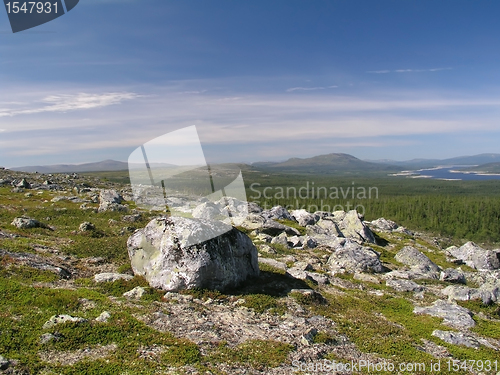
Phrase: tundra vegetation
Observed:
(48, 270)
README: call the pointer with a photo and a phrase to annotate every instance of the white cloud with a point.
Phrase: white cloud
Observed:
(246, 120)
(67, 103)
(310, 88)
(407, 70)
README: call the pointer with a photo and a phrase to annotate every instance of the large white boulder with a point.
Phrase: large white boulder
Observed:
(175, 253)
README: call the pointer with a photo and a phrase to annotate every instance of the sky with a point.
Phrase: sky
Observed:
(260, 80)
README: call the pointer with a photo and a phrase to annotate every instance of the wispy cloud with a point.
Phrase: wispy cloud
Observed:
(238, 122)
(67, 103)
(195, 92)
(310, 88)
(407, 70)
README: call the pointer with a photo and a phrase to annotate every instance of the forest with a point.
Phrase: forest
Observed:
(462, 210)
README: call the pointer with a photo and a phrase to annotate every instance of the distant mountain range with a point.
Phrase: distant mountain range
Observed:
(101, 166)
(330, 163)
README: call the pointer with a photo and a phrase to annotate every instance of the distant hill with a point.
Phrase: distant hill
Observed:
(429, 163)
(330, 163)
(106, 165)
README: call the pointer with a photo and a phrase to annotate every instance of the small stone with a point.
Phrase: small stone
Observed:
(308, 337)
(452, 314)
(456, 338)
(453, 276)
(366, 277)
(103, 318)
(135, 293)
(404, 285)
(25, 223)
(24, 184)
(59, 319)
(109, 277)
(4, 363)
(86, 227)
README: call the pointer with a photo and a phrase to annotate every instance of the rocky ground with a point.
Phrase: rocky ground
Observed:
(331, 287)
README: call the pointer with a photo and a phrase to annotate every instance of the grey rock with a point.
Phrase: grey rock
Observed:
(254, 221)
(324, 232)
(353, 227)
(488, 293)
(172, 264)
(135, 293)
(308, 337)
(110, 200)
(103, 317)
(452, 314)
(38, 262)
(418, 262)
(272, 228)
(304, 218)
(309, 242)
(23, 184)
(277, 213)
(476, 257)
(281, 240)
(346, 224)
(456, 338)
(233, 210)
(273, 263)
(59, 319)
(132, 218)
(26, 223)
(352, 257)
(264, 237)
(295, 242)
(4, 363)
(404, 231)
(404, 285)
(453, 276)
(267, 249)
(110, 277)
(318, 278)
(208, 211)
(384, 224)
(366, 278)
(254, 208)
(86, 227)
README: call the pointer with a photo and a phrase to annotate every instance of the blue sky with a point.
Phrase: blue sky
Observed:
(261, 80)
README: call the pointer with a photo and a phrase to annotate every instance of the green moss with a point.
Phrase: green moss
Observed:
(125, 268)
(203, 294)
(182, 352)
(25, 273)
(118, 287)
(259, 354)
(263, 302)
(324, 338)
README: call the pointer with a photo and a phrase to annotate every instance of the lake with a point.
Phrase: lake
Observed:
(447, 173)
